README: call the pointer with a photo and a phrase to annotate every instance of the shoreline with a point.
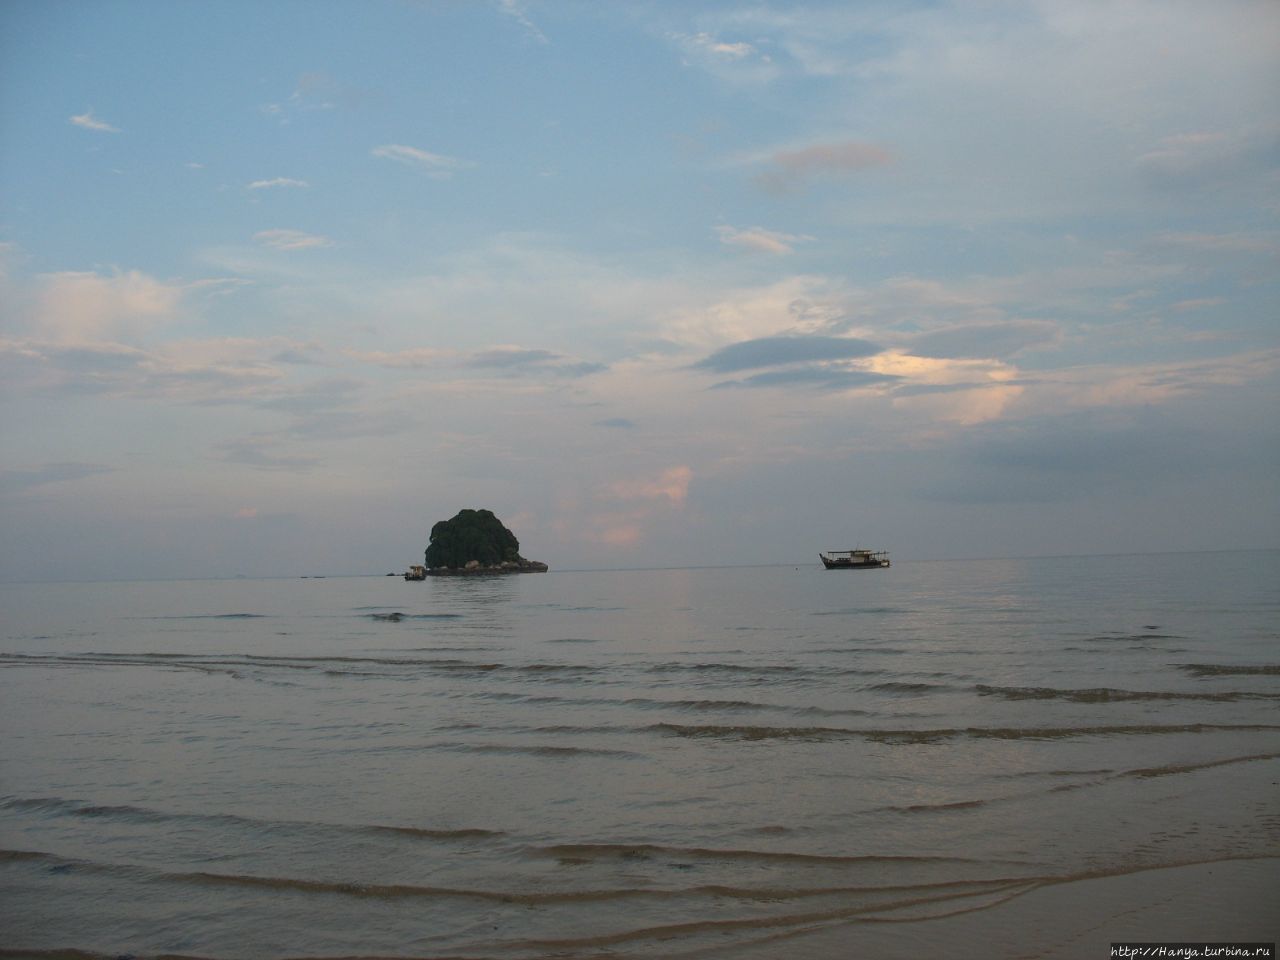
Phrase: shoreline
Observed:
(1219, 901)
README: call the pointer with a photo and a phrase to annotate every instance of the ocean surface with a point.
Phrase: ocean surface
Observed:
(659, 763)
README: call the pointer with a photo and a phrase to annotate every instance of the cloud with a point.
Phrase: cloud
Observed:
(91, 358)
(710, 318)
(985, 340)
(778, 351)
(417, 358)
(735, 62)
(260, 453)
(82, 305)
(522, 361)
(1197, 303)
(1264, 243)
(760, 240)
(818, 377)
(199, 372)
(302, 354)
(16, 481)
(313, 92)
(672, 485)
(815, 362)
(1152, 384)
(707, 45)
(509, 360)
(89, 122)
(1074, 455)
(434, 165)
(291, 239)
(616, 423)
(515, 10)
(1206, 158)
(791, 169)
(277, 182)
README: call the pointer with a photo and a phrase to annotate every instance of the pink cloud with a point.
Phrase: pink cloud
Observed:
(823, 157)
(791, 168)
(672, 485)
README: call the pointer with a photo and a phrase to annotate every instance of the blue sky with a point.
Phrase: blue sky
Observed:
(659, 283)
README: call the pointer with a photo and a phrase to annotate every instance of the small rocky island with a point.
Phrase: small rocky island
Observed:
(473, 542)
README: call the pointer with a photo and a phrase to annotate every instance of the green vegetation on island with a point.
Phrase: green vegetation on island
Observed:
(474, 541)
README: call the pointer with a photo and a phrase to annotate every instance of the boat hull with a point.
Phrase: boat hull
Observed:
(855, 560)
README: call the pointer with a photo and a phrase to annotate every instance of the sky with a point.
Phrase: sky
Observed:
(284, 282)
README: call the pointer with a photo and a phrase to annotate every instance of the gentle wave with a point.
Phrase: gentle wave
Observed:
(586, 852)
(729, 668)
(360, 666)
(397, 616)
(681, 894)
(541, 750)
(209, 616)
(904, 910)
(74, 808)
(215, 663)
(1230, 670)
(1109, 694)
(1097, 778)
(1174, 769)
(903, 686)
(880, 905)
(735, 732)
(1131, 637)
(701, 705)
(796, 923)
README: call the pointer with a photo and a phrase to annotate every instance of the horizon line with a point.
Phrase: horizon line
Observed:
(695, 566)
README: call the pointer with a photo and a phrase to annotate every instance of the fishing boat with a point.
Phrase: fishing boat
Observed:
(854, 559)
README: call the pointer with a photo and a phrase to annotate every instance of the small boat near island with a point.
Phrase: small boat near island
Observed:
(854, 559)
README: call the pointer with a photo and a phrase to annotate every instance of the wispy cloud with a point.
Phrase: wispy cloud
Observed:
(986, 339)
(819, 377)
(15, 481)
(519, 360)
(263, 454)
(435, 165)
(83, 305)
(735, 62)
(1222, 242)
(671, 485)
(512, 361)
(417, 358)
(781, 351)
(277, 182)
(706, 44)
(790, 169)
(515, 10)
(291, 239)
(760, 240)
(207, 372)
(1202, 158)
(89, 122)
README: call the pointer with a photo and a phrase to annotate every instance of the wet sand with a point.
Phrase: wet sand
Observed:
(1220, 902)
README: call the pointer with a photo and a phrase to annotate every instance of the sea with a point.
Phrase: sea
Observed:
(714, 762)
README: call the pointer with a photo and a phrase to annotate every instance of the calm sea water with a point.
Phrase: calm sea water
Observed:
(638, 764)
